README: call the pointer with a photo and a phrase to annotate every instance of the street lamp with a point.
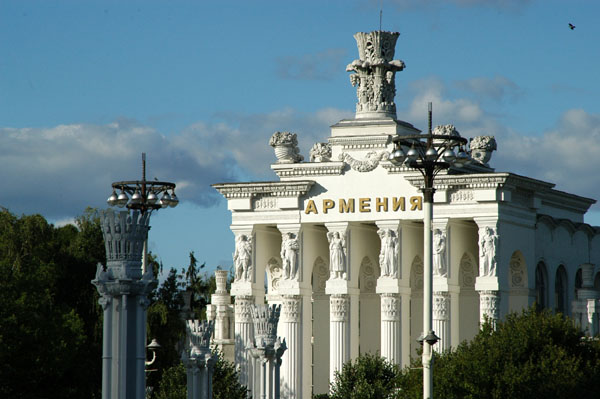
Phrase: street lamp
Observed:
(429, 154)
(144, 197)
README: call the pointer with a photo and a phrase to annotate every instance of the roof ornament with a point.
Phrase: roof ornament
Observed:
(374, 76)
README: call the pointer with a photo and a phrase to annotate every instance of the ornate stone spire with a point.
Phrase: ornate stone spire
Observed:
(375, 73)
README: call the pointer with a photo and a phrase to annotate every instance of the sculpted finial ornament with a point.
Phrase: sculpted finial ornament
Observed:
(482, 148)
(242, 258)
(388, 256)
(320, 152)
(440, 267)
(375, 74)
(286, 147)
(337, 255)
(488, 242)
(289, 256)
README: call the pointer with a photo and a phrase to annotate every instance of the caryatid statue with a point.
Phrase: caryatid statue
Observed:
(337, 254)
(289, 256)
(375, 73)
(440, 267)
(488, 241)
(388, 256)
(242, 258)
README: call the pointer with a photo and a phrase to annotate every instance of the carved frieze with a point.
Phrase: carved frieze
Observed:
(416, 273)
(489, 302)
(467, 272)
(517, 272)
(462, 196)
(368, 164)
(265, 203)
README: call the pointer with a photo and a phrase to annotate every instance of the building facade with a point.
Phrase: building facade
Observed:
(338, 242)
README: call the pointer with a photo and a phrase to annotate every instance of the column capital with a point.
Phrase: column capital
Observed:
(390, 307)
(441, 305)
(489, 304)
(243, 308)
(339, 307)
(291, 308)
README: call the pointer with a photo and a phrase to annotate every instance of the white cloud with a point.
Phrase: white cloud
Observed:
(59, 171)
(498, 88)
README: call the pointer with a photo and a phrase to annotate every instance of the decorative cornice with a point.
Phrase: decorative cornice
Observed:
(308, 169)
(360, 142)
(274, 189)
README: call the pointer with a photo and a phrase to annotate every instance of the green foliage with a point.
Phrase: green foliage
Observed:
(533, 354)
(225, 382)
(367, 377)
(50, 321)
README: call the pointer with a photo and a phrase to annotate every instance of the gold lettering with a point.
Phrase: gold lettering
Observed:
(328, 204)
(381, 203)
(398, 203)
(364, 204)
(416, 203)
(311, 208)
(347, 207)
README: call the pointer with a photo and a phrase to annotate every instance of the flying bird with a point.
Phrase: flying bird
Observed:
(571, 26)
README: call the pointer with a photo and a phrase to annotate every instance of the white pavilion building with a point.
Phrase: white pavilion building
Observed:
(340, 241)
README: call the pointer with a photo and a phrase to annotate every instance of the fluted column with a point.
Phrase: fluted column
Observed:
(441, 320)
(244, 335)
(390, 328)
(339, 333)
(291, 330)
(489, 306)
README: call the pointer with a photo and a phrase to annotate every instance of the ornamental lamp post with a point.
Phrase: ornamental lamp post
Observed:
(144, 197)
(429, 154)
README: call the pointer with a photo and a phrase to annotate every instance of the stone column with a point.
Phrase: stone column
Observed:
(198, 359)
(390, 328)
(291, 331)
(267, 349)
(441, 320)
(243, 335)
(489, 306)
(339, 333)
(123, 290)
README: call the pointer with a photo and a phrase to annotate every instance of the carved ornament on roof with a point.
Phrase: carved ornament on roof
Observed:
(370, 163)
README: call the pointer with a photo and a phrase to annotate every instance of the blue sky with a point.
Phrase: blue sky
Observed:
(87, 86)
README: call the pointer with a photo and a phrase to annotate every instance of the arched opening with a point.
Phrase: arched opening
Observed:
(320, 326)
(561, 291)
(541, 286)
(519, 292)
(469, 298)
(369, 308)
(416, 303)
